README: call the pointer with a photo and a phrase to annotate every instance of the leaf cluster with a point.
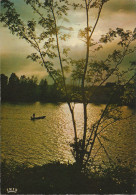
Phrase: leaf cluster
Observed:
(125, 36)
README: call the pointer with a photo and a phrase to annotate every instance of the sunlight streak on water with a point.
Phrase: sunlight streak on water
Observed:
(42, 141)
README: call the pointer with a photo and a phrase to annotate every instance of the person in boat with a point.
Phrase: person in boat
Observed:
(34, 115)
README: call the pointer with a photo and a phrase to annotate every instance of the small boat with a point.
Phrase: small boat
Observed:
(35, 118)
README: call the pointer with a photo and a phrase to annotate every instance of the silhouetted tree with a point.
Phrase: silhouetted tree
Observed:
(43, 87)
(32, 88)
(129, 96)
(4, 87)
(55, 94)
(23, 88)
(13, 87)
(98, 72)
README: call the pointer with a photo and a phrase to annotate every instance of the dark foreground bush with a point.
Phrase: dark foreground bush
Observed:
(56, 178)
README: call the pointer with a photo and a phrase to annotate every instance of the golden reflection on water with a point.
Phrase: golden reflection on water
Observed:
(42, 141)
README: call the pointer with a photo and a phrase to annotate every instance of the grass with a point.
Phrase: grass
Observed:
(57, 178)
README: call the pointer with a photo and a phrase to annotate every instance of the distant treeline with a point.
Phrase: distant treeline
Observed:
(26, 89)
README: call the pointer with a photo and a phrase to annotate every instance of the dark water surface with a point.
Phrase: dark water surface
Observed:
(42, 141)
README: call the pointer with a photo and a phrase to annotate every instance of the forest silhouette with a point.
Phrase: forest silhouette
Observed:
(26, 89)
(29, 89)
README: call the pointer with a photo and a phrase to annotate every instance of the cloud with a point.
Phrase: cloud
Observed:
(128, 6)
(12, 63)
(115, 13)
(21, 66)
(33, 69)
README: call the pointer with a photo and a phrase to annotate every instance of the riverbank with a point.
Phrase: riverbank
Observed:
(56, 178)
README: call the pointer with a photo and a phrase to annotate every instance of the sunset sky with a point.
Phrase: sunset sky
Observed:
(116, 13)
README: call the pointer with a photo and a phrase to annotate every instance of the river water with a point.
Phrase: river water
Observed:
(42, 141)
